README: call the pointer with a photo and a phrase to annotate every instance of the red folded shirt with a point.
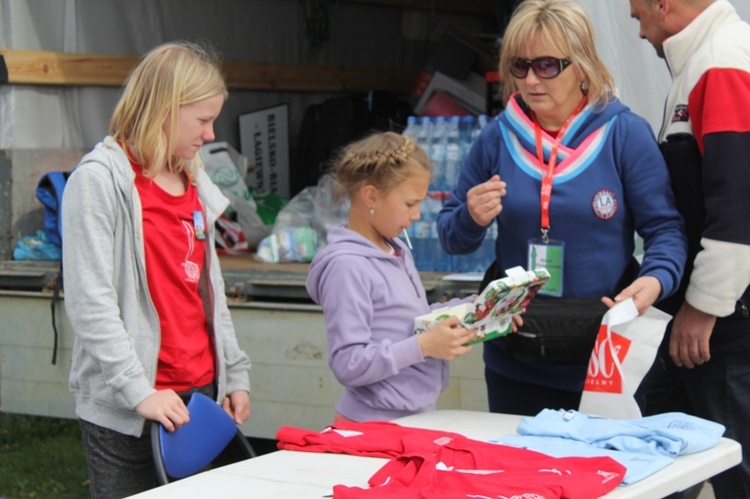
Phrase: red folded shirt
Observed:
(441, 465)
(371, 439)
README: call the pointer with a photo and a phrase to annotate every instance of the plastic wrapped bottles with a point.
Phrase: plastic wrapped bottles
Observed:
(453, 151)
(424, 133)
(420, 233)
(438, 144)
(447, 141)
(412, 127)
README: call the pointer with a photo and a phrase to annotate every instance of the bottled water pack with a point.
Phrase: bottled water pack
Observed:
(447, 141)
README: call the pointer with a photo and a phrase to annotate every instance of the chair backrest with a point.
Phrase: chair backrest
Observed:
(195, 445)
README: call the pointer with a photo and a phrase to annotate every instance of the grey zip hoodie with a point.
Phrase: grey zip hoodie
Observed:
(117, 333)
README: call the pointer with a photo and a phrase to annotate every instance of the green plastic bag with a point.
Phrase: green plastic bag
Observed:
(267, 204)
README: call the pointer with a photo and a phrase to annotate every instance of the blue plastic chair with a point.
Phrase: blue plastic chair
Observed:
(191, 448)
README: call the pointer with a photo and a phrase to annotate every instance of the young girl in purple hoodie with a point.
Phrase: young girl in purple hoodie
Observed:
(366, 282)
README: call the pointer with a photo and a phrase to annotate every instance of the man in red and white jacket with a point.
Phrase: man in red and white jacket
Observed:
(705, 139)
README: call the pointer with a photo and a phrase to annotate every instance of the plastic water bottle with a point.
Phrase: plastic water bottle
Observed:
(424, 133)
(431, 206)
(421, 238)
(412, 127)
(437, 153)
(482, 121)
(452, 152)
(468, 123)
(442, 261)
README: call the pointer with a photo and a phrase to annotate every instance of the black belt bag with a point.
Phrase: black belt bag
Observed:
(558, 331)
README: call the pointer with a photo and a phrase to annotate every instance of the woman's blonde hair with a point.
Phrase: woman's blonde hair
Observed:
(382, 159)
(562, 24)
(168, 77)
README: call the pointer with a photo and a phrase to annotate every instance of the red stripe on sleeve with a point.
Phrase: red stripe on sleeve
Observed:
(720, 102)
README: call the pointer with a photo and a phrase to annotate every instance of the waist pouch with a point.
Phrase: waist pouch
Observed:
(558, 331)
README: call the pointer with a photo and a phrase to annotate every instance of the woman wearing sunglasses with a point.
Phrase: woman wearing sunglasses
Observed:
(569, 175)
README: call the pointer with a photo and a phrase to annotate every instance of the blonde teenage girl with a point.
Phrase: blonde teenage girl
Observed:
(143, 288)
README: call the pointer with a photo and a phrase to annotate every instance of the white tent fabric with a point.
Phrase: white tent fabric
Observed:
(261, 31)
(642, 78)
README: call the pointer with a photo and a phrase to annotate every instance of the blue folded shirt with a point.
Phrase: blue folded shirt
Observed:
(670, 434)
(643, 445)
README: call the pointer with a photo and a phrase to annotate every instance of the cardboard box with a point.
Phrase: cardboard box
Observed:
(492, 312)
(264, 140)
(462, 57)
(470, 93)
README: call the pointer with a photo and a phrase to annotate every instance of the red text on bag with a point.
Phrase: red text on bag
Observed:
(603, 374)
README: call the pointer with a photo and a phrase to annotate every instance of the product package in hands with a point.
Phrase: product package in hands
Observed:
(490, 315)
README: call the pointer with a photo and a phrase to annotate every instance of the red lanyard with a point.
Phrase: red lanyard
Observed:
(549, 175)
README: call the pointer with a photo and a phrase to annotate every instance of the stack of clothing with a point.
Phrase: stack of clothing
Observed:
(643, 445)
(442, 465)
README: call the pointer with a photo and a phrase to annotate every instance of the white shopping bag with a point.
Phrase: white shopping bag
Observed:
(623, 353)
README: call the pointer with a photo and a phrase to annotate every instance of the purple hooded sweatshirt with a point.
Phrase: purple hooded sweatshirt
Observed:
(370, 299)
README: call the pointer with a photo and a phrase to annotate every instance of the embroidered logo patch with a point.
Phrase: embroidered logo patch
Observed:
(680, 114)
(604, 204)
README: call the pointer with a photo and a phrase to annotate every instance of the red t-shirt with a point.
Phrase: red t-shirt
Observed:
(442, 464)
(174, 261)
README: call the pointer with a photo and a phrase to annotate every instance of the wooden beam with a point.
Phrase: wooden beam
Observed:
(308, 78)
(34, 67)
(30, 67)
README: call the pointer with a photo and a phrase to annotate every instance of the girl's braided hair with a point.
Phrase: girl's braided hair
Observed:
(383, 159)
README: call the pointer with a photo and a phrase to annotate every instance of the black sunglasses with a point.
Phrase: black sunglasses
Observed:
(543, 67)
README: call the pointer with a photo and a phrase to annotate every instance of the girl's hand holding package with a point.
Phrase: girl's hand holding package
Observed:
(447, 340)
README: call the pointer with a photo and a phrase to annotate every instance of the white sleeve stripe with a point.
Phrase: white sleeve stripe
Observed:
(720, 277)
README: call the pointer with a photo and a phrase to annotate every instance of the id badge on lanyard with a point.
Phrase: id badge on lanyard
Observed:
(550, 255)
(546, 252)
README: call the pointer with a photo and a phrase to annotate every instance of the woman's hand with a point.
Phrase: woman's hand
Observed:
(447, 340)
(484, 201)
(165, 407)
(644, 291)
